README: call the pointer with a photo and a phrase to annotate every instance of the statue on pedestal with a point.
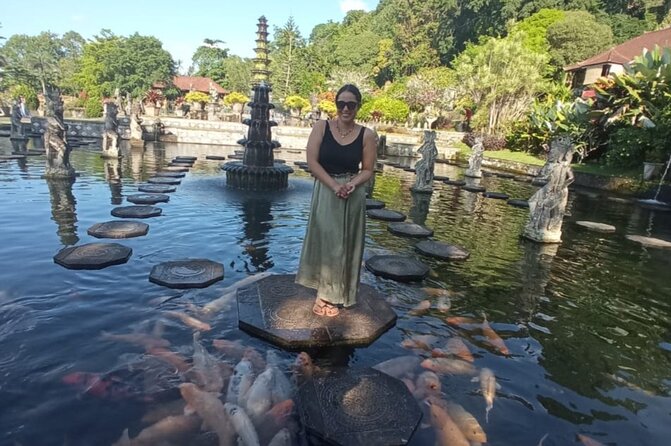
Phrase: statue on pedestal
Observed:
(57, 149)
(111, 131)
(424, 167)
(475, 161)
(16, 136)
(548, 205)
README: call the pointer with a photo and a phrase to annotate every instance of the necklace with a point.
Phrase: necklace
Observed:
(340, 132)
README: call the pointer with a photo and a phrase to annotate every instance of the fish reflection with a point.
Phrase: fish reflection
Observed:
(63, 209)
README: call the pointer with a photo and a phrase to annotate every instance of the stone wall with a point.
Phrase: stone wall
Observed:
(80, 128)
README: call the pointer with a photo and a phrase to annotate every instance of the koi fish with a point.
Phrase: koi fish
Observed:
(467, 423)
(143, 340)
(587, 441)
(282, 438)
(448, 366)
(242, 425)
(211, 410)
(494, 339)
(423, 342)
(192, 322)
(447, 431)
(171, 428)
(206, 367)
(398, 367)
(234, 349)
(303, 368)
(488, 385)
(174, 359)
(228, 294)
(454, 347)
(427, 384)
(420, 308)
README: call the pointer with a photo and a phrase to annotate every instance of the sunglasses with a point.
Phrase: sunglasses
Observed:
(351, 105)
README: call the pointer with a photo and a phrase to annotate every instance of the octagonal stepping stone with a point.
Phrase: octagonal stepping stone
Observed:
(504, 175)
(118, 229)
(440, 178)
(179, 160)
(148, 198)
(409, 230)
(458, 183)
(157, 188)
(93, 256)
(523, 179)
(374, 204)
(385, 214)
(650, 242)
(215, 157)
(136, 211)
(164, 180)
(279, 311)
(472, 188)
(594, 226)
(518, 203)
(169, 174)
(442, 250)
(176, 164)
(399, 268)
(357, 407)
(176, 169)
(189, 273)
(186, 158)
(496, 195)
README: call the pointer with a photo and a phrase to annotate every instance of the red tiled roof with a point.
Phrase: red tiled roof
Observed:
(197, 83)
(627, 51)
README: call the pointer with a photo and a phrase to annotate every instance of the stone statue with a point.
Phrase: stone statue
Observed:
(136, 125)
(111, 131)
(15, 118)
(553, 157)
(548, 205)
(57, 149)
(424, 167)
(382, 146)
(475, 160)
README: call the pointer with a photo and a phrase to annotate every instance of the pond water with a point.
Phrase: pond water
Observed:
(586, 322)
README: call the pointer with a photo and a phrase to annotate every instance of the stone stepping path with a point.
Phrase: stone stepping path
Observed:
(118, 229)
(148, 198)
(157, 188)
(399, 268)
(594, 226)
(169, 174)
(236, 157)
(504, 175)
(518, 203)
(189, 159)
(523, 179)
(650, 242)
(495, 195)
(409, 230)
(410, 169)
(215, 157)
(357, 407)
(440, 178)
(178, 164)
(164, 180)
(189, 273)
(136, 211)
(458, 183)
(442, 250)
(472, 188)
(93, 256)
(279, 311)
(176, 169)
(374, 204)
(385, 214)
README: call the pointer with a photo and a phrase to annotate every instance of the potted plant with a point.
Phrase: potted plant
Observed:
(197, 99)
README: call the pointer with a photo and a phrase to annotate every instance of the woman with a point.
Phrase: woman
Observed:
(333, 247)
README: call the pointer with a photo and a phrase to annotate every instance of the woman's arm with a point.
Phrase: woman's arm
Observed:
(367, 162)
(314, 142)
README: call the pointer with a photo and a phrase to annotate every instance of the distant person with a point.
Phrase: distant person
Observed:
(341, 155)
(23, 107)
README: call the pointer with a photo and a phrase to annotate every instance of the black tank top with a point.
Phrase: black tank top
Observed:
(336, 158)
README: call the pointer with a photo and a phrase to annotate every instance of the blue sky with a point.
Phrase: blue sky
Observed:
(181, 26)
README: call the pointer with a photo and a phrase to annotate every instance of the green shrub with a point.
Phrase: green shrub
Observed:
(196, 96)
(235, 97)
(384, 108)
(327, 107)
(93, 108)
(489, 142)
(627, 146)
(296, 103)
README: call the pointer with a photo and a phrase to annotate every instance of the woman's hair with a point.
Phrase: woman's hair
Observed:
(352, 89)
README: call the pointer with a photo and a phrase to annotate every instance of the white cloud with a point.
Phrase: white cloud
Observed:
(349, 5)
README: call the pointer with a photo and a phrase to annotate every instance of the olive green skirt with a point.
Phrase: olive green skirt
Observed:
(333, 246)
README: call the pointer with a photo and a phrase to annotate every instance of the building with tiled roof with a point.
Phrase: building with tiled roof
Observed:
(194, 83)
(613, 60)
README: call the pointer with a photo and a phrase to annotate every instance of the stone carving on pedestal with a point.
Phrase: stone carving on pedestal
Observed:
(136, 125)
(424, 167)
(548, 205)
(475, 160)
(554, 156)
(17, 136)
(57, 149)
(111, 131)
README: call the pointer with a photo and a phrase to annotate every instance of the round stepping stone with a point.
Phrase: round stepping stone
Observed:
(357, 407)
(374, 204)
(458, 183)
(164, 180)
(176, 169)
(93, 256)
(440, 178)
(189, 273)
(504, 175)
(472, 188)
(118, 229)
(442, 250)
(157, 188)
(183, 165)
(189, 159)
(169, 174)
(399, 268)
(385, 214)
(148, 198)
(518, 203)
(215, 157)
(409, 230)
(599, 227)
(496, 195)
(650, 242)
(136, 211)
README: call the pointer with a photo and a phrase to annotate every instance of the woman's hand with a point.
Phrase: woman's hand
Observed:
(345, 190)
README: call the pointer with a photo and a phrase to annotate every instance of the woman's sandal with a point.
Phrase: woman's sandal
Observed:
(323, 308)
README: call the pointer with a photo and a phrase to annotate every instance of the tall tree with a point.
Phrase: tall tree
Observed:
(208, 60)
(238, 74)
(286, 66)
(577, 37)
